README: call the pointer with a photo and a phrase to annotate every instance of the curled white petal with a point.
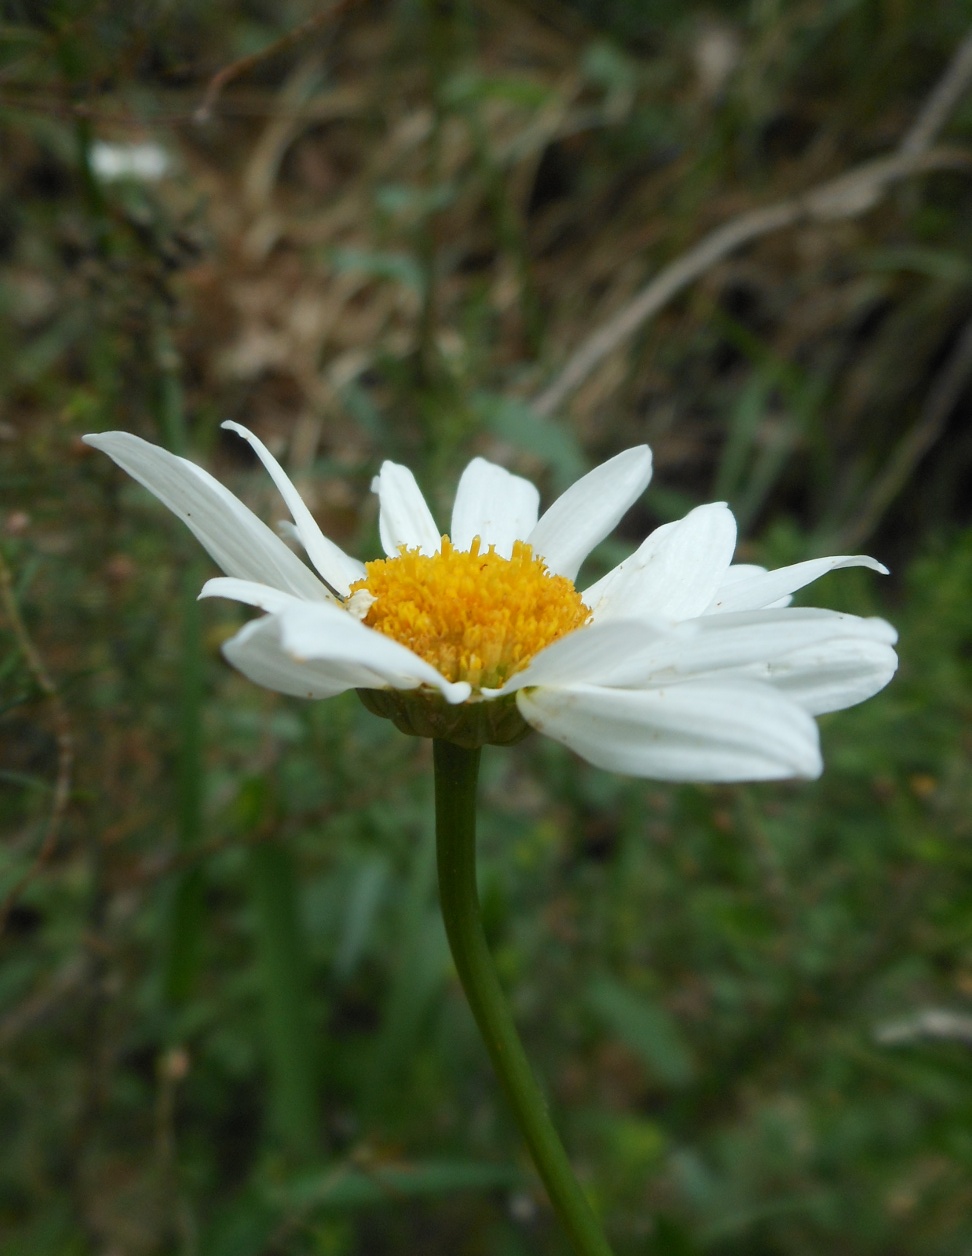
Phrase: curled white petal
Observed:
(675, 572)
(583, 516)
(404, 517)
(360, 603)
(832, 675)
(743, 571)
(249, 592)
(755, 641)
(701, 730)
(494, 505)
(764, 589)
(257, 652)
(230, 533)
(340, 570)
(314, 632)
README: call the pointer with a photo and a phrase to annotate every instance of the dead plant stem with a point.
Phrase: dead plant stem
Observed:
(847, 196)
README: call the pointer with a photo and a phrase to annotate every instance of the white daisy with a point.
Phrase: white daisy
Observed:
(676, 665)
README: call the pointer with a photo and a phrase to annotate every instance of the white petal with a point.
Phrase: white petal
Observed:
(249, 593)
(756, 642)
(675, 572)
(583, 516)
(723, 730)
(833, 675)
(587, 655)
(230, 533)
(315, 631)
(743, 571)
(257, 652)
(337, 568)
(403, 516)
(494, 505)
(759, 590)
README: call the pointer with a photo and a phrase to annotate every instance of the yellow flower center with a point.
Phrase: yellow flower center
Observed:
(475, 617)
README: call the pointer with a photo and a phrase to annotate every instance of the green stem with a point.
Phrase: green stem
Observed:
(281, 956)
(456, 772)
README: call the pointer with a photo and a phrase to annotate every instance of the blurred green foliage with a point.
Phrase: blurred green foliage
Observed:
(228, 1019)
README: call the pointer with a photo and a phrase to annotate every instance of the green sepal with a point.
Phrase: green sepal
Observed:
(424, 713)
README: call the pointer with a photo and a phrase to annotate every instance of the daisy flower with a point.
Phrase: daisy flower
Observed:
(677, 664)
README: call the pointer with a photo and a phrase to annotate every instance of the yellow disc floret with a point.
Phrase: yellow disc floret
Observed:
(474, 616)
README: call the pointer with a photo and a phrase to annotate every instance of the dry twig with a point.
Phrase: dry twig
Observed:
(245, 64)
(846, 196)
(942, 398)
(941, 101)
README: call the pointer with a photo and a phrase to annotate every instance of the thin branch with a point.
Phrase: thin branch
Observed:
(941, 102)
(245, 64)
(62, 733)
(917, 441)
(846, 196)
(50, 998)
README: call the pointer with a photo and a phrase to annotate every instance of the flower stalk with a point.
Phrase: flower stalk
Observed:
(456, 775)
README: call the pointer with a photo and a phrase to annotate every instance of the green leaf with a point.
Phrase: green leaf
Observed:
(515, 422)
(470, 88)
(364, 898)
(283, 966)
(945, 264)
(396, 267)
(344, 1186)
(645, 1027)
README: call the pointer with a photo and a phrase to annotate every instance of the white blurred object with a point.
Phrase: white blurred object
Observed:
(930, 1024)
(146, 161)
(716, 53)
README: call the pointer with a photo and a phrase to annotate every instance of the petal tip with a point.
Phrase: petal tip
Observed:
(644, 456)
(230, 425)
(102, 440)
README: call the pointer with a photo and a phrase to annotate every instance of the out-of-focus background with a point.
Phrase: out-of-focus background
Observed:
(540, 232)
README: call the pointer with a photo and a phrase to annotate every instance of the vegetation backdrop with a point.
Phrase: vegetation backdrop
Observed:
(541, 232)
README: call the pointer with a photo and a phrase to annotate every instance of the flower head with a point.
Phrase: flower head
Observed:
(677, 664)
(475, 615)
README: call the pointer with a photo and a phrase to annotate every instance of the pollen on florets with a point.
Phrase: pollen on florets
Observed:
(474, 616)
